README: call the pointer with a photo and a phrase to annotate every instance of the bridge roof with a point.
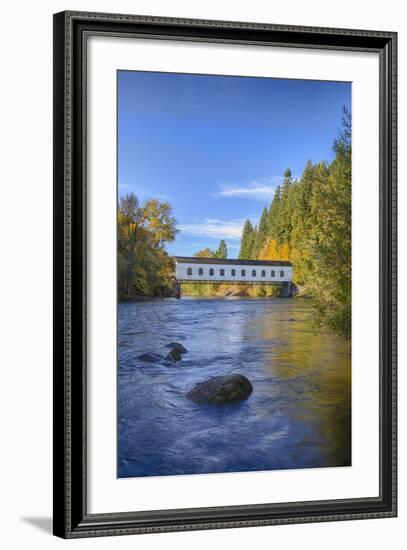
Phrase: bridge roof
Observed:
(221, 261)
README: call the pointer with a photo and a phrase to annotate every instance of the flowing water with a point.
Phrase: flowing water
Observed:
(298, 415)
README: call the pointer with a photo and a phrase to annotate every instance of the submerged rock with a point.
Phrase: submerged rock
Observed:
(174, 355)
(151, 357)
(178, 346)
(221, 389)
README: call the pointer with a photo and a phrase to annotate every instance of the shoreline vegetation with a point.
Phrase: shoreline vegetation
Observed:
(223, 290)
(307, 223)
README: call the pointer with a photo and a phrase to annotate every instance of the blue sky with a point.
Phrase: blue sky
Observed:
(216, 147)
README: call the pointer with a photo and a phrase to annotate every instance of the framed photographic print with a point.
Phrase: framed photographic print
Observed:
(224, 274)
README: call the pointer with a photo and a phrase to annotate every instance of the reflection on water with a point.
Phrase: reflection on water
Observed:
(298, 415)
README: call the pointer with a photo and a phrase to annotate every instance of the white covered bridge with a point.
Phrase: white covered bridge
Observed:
(217, 270)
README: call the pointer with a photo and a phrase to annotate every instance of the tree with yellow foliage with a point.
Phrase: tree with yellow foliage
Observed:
(144, 267)
(309, 224)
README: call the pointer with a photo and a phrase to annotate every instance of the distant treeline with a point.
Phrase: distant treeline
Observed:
(309, 223)
(207, 289)
(144, 267)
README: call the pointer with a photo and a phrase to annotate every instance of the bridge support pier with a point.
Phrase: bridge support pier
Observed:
(287, 290)
(177, 290)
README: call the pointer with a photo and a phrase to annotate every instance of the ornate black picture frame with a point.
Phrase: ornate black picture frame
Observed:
(71, 517)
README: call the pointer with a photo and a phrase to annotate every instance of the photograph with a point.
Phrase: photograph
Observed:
(234, 273)
(224, 273)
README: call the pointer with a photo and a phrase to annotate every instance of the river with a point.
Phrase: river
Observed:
(298, 415)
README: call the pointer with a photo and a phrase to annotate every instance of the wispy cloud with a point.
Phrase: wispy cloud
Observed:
(125, 187)
(214, 228)
(259, 190)
(141, 193)
(161, 197)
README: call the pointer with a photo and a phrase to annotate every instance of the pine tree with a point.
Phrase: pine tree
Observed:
(245, 241)
(332, 207)
(274, 211)
(261, 233)
(222, 251)
(309, 224)
(251, 244)
(285, 212)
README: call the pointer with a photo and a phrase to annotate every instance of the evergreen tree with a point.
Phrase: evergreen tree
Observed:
(273, 216)
(309, 223)
(261, 233)
(222, 251)
(251, 244)
(246, 241)
(287, 181)
(332, 281)
(285, 211)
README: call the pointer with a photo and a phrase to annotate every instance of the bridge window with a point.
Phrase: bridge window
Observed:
(222, 272)
(273, 273)
(211, 272)
(263, 273)
(233, 272)
(253, 273)
(281, 273)
(243, 273)
(189, 271)
(200, 271)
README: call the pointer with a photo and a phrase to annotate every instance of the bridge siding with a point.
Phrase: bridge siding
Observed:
(182, 270)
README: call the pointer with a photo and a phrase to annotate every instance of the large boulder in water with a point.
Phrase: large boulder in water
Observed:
(221, 389)
(177, 346)
(176, 352)
(174, 355)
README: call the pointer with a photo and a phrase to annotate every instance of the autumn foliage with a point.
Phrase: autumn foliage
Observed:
(309, 224)
(144, 267)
